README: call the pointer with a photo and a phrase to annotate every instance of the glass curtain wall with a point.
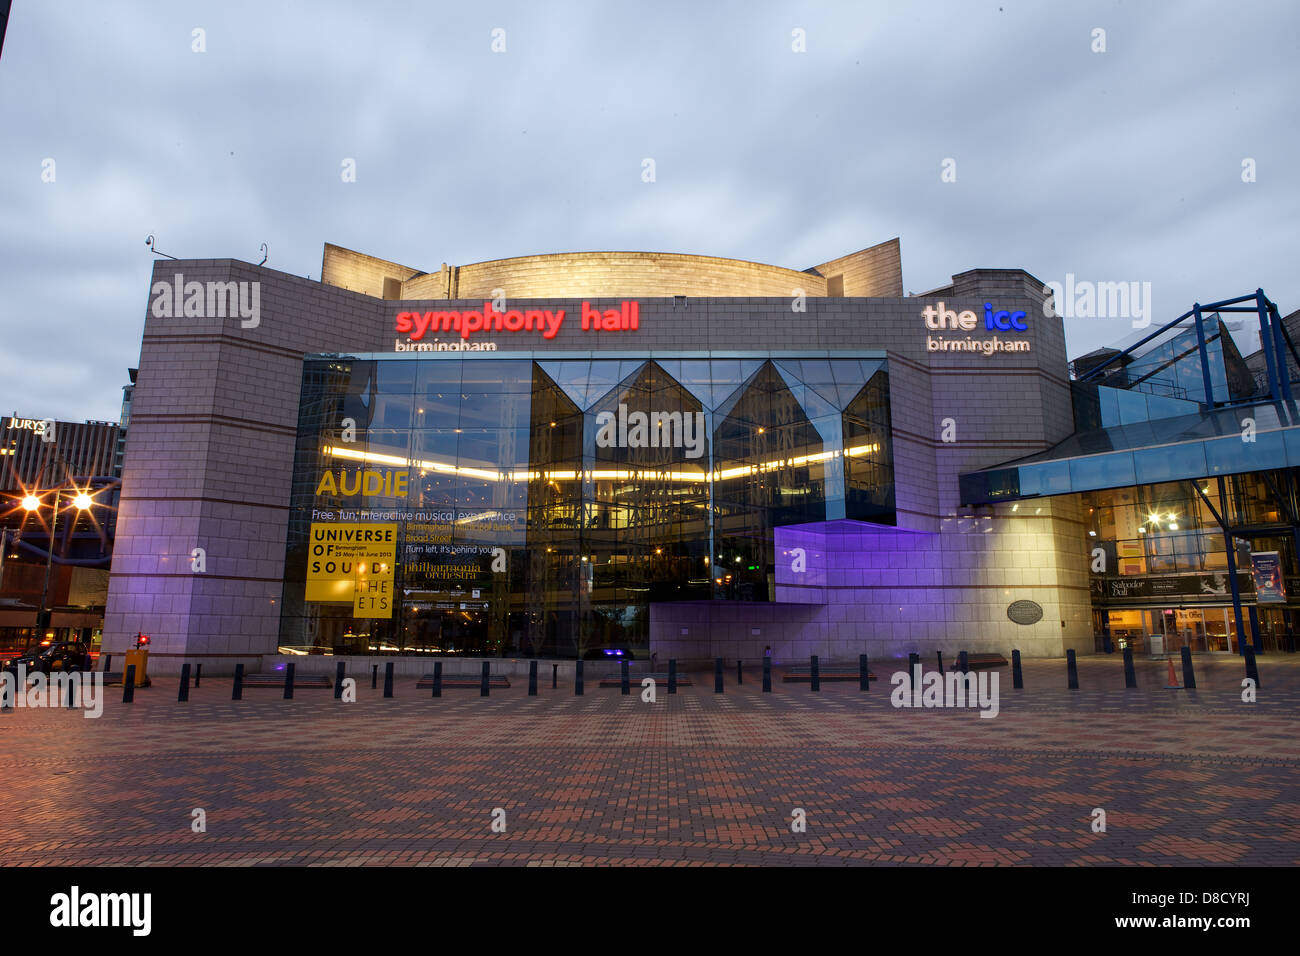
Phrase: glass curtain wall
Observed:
(538, 506)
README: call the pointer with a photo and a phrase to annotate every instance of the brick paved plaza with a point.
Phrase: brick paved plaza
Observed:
(1186, 778)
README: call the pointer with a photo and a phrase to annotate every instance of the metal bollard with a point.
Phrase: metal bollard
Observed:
(108, 661)
(338, 681)
(864, 673)
(767, 675)
(913, 661)
(532, 678)
(717, 675)
(437, 678)
(1130, 675)
(72, 691)
(939, 655)
(485, 681)
(1071, 670)
(1189, 676)
(184, 693)
(128, 684)
(740, 671)
(577, 679)
(624, 683)
(237, 692)
(198, 673)
(555, 676)
(374, 676)
(963, 663)
(288, 681)
(1017, 676)
(388, 679)
(815, 675)
(672, 675)
(1252, 669)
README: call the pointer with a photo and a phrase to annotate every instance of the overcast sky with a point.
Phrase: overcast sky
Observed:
(1122, 165)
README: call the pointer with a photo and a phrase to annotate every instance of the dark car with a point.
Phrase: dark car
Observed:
(59, 657)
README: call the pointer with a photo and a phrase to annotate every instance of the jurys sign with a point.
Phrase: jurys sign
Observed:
(441, 330)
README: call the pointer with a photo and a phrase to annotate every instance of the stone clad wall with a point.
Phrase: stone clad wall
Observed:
(210, 451)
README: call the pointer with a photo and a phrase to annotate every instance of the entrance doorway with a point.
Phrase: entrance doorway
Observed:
(1168, 630)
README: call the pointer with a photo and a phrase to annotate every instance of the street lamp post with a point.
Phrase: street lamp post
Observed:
(45, 616)
(82, 501)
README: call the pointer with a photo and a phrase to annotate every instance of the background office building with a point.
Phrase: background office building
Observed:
(619, 454)
(58, 510)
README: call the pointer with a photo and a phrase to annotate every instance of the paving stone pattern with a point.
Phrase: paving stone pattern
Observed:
(1186, 778)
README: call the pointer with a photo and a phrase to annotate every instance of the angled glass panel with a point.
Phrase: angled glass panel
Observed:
(602, 378)
(698, 377)
(495, 376)
(1108, 405)
(1170, 463)
(1231, 455)
(1132, 407)
(573, 377)
(868, 454)
(727, 394)
(870, 367)
(438, 380)
(1046, 478)
(848, 380)
(1102, 471)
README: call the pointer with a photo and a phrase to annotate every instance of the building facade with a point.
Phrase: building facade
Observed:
(592, 454)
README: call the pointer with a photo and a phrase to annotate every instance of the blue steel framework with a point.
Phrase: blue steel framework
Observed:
(1182, 450)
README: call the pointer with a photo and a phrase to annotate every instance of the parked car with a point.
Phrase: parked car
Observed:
(60, 656)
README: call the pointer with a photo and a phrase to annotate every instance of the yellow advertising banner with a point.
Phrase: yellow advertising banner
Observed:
(353, 562)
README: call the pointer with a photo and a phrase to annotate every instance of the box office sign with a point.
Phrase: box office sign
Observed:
(353, 562)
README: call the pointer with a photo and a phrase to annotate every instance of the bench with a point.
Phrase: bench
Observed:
(634, 679)
(463, 680)
(276, 679)
(802, 673)
(978, 662)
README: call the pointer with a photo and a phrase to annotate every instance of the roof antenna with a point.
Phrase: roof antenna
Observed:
(265, 253)
(156, 251)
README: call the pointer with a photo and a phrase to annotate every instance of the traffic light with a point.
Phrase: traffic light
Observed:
(42, 621)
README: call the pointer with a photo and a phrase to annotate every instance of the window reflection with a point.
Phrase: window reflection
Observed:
(521, 531)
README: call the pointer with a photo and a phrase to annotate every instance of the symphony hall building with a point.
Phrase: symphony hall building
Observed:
(596, 455)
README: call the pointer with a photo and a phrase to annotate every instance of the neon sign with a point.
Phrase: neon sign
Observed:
(937, 318)
(548, 322)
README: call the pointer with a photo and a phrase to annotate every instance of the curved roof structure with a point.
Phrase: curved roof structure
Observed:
(872, 272)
